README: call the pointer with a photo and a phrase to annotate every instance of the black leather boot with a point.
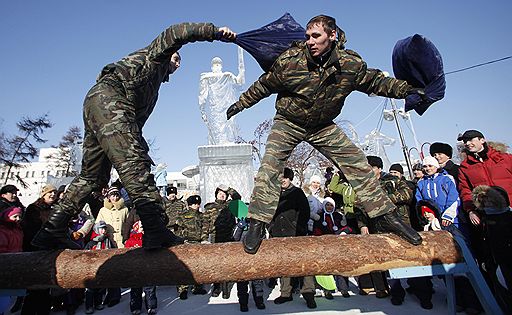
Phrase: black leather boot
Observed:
(243, 300)
(310, 299)
(260, 303)
(54, 233)
(156, 235)
(390, 222)
(255, 235)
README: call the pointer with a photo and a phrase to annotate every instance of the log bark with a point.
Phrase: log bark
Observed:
(349, 255)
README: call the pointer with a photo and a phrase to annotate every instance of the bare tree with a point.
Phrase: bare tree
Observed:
(19, 149)
(260, 139)
(302, 157)
(3, 142)
(65, 158)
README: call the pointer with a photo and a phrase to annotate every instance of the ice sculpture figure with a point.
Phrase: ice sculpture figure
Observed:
(217, 91)
(374, 144)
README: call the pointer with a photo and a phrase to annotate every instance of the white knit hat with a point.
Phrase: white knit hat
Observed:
(315, 178)
(429, 160)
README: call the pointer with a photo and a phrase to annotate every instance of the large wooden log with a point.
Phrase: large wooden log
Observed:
(349, 255)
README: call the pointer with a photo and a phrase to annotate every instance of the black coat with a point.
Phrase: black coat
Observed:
(292, 214)
(36, 215)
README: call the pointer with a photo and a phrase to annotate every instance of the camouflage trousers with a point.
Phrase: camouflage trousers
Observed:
(334, 145)
(112, 137)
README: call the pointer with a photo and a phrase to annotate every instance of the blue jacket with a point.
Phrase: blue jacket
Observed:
(441, 190)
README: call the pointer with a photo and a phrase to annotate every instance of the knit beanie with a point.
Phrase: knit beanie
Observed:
(375, 161)
(429, 160)
(48, 188)
(113, 191)
(438, 147)
(396, 167)
(288, 173)
(6, 213)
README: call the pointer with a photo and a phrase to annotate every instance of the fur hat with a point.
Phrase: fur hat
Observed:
(429, 160)
(491, 199)
(375, 161)
(288, 173)
(194, 200)
(439, 147)
(315, 178)
(172, 190)
(48, 188)
(223, 188)
(8, 189)
(396, 167)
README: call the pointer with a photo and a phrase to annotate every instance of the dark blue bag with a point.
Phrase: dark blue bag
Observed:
(417, 61)
(268, 42)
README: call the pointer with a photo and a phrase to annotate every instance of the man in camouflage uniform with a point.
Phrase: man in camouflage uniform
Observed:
(218, 225)
(115, 110)
(174, 206)
(312, 79)
(189, 226)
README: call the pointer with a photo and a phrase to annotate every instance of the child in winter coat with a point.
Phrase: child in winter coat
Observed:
(11, 241)
(99, 240)
(114, 213)
(333, 222)
(439, 189)
(134, 241)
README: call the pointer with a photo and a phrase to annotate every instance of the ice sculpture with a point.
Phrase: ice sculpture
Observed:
(217, 91)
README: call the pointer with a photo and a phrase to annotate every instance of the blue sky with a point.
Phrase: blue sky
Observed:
(52, 52)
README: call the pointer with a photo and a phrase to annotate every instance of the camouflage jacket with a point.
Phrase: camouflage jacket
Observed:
(141, 73)
(174, 210)
(211, 212)
(310, 94)
(400, 193)
(189, 226)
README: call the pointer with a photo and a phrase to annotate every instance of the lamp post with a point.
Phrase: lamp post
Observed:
(390, 115)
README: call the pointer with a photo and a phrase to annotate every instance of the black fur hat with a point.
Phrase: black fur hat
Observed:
(439, 147)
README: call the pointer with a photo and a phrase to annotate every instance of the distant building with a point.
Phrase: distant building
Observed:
(37, 174)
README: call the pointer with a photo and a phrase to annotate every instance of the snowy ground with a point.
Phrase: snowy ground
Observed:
(169, 303)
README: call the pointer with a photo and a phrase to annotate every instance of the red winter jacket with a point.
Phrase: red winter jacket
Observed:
(11, 237)
(135, 240)
(496, 170)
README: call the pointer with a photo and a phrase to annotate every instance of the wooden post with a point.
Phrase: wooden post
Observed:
(349, 255)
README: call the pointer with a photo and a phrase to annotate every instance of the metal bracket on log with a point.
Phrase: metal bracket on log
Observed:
(348, 255)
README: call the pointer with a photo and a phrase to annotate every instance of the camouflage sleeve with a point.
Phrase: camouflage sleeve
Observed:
(373, 81)
(268, 84)
(208, 220)
(170, 40)
(402, 195)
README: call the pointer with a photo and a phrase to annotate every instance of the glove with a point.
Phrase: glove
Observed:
(232, 111)
(76, 235)
(419, 91)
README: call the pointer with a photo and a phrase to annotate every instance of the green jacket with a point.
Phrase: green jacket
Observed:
(310, 94)
(346, 191)
(141, 73)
